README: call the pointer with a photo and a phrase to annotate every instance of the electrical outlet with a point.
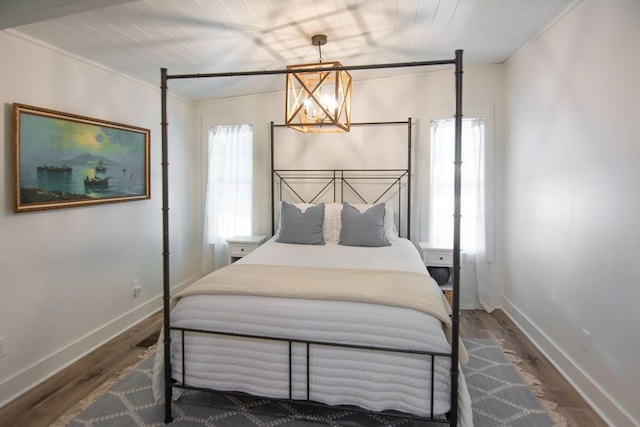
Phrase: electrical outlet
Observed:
(3, 347)
(136, 288)
(586, 341)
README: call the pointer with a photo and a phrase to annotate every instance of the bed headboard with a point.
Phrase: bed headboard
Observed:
(356, 186)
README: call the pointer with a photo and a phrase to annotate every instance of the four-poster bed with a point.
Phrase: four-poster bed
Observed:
(252, 272)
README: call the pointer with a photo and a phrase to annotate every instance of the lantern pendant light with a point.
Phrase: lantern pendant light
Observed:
(318, 98)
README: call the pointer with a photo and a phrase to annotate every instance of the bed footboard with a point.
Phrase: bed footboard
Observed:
(429, 357)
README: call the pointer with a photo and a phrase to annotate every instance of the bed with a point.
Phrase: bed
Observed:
(316, 337)
(307, 314)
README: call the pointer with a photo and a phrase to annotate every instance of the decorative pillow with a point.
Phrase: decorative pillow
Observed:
(330, 225)
(390, 230)
(363, 228)
(301, 227)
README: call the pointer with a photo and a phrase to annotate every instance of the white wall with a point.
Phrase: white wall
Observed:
(422, 96)
(571, 200)
(66, 275)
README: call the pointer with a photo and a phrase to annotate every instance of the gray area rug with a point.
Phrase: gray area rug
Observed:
(500, 397)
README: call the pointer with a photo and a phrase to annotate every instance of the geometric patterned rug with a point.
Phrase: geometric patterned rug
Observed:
(500, 397)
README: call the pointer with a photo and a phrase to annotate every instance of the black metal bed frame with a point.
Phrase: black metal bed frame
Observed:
(429, 355)
(337, 181)
(452, 416)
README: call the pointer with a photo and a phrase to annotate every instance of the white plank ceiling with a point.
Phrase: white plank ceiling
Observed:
(137, 38)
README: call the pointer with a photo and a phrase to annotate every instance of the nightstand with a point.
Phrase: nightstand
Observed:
(435, 257)
(240, 246)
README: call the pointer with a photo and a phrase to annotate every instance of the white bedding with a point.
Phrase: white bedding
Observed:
(372, 380)
(400, 256)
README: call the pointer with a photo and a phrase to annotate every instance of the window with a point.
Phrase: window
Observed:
(229, 194)
(442, 180)
(476, 236)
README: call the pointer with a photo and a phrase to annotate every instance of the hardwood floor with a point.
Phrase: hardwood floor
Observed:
(44, 404)
(497, 325)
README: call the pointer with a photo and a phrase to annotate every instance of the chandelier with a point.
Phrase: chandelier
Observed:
(318, 99)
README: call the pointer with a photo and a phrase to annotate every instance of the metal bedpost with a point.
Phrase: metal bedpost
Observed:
(166, 288)
(408, 180)
(455, 319)
(273, 207)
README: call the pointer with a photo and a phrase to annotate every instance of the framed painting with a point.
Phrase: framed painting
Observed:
(65, 160)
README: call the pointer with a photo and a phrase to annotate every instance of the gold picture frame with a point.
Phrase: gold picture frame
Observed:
(65, 160)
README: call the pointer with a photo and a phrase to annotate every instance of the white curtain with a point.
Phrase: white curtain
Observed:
(229, 184)
(473, 239)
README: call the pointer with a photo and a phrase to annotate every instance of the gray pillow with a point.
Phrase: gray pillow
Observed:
(363, 228)
(299, 227)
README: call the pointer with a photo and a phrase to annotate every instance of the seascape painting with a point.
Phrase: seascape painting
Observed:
(65, 160)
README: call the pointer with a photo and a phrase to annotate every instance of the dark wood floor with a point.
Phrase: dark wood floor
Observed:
(44, 404)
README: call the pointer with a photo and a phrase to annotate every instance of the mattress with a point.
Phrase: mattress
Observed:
(373, 380)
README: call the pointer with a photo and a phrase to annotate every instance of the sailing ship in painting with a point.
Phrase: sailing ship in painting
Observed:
(100, 167)
(64, 168)
(95, 182)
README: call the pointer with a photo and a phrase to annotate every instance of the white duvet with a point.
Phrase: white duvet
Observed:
(372, 380)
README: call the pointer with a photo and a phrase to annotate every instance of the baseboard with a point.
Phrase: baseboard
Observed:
(42, 370)
(595, 396)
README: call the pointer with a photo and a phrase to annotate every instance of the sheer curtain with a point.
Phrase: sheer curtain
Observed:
(229, 187)
(473, 239)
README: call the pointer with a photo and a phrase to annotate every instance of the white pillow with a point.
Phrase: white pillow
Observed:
(332, 221)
